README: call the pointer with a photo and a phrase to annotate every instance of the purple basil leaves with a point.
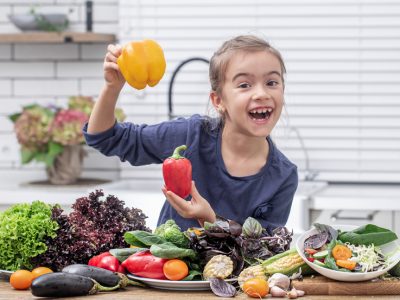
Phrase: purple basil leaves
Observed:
(221, 288)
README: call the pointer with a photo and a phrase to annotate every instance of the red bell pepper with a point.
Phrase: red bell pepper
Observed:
(106, 261)
(146, 265)
(177, 173)
(109, 263)
(94, 261)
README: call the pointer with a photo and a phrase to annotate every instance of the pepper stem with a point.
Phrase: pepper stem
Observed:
(176, 154)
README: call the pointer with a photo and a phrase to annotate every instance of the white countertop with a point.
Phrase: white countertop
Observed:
(65, 195)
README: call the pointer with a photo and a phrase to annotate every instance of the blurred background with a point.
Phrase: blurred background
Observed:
(341, 125)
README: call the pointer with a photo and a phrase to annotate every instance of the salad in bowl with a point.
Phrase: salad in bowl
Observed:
(349, 253)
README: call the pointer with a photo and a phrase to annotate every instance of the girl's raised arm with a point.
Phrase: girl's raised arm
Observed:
(102, 116)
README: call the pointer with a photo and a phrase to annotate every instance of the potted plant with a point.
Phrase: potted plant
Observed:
(53, 135)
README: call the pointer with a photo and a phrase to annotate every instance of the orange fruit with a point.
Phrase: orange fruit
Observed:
(175, 269)
(40, 271)
(256, 287)
(21, 279)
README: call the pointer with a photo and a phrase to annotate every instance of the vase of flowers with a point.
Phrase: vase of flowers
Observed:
(53, 135)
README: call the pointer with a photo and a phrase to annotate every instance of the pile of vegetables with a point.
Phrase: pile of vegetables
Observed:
(351, 251)
(39, 234)
(245, 245)
(163, 254)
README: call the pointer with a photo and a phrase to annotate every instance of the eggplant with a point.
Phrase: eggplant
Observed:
(104, 277)
(61, 284)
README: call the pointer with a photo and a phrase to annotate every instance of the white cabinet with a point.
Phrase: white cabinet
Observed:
(383, 219)
(357, 204)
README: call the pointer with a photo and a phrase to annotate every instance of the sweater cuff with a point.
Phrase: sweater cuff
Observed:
(96, 138)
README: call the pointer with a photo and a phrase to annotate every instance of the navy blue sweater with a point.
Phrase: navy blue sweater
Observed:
(266, 196)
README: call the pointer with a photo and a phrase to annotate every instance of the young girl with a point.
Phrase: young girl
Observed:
(237, 170)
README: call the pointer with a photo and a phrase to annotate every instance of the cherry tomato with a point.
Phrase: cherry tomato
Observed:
(175, 269)
(21, 279)
(40, 271)
(256, 287)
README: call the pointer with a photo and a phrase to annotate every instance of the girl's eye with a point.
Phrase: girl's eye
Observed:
(272, 83)
(244, 85)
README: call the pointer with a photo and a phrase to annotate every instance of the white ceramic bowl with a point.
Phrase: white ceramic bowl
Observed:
(392, 248)
(28, 22)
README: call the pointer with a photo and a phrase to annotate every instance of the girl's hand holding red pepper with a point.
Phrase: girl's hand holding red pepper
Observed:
(197, 208)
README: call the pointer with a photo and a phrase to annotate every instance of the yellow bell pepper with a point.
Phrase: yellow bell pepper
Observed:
(142, 63)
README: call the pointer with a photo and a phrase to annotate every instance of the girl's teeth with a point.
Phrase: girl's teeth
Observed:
(260, 111)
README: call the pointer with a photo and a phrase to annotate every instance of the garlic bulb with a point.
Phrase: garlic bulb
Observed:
(279, 280)
(292, 294)
(276, 291)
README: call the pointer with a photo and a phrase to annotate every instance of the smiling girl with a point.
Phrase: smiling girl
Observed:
(238, 171)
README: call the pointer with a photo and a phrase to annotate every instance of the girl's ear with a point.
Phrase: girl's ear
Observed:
(215, 100)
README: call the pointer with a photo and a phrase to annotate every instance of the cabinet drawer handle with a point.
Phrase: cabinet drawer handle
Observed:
(335, 216)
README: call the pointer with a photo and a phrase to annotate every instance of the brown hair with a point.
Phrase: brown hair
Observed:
(220, 59)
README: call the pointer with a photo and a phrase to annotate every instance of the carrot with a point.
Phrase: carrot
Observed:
(311, 251)
(347, 264)
(341, 252)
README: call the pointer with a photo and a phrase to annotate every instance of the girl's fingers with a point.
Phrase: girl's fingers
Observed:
(111, 65)
(195, 193)
(180, 205)
(114, 49)
(118, 49)
(110, 57)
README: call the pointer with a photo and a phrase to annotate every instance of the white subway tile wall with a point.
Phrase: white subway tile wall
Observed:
(343, 82)
(342, 91)
(49, 74)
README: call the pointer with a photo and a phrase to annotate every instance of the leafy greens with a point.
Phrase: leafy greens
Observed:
(23, 231)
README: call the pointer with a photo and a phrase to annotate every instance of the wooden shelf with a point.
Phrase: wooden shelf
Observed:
(56, 37)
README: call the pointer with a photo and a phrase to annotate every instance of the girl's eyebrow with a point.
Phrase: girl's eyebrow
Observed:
(248, 74)
(241, 74)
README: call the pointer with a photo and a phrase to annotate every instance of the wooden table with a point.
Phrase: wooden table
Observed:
(131, 293)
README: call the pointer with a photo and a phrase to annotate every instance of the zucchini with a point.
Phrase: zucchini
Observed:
(320, 254)
(319, 263)
(123, 253)
(60, 284)
(288, 263)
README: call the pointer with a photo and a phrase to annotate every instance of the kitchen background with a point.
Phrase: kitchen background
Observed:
(342, 118)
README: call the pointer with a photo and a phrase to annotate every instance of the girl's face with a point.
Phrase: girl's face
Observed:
(252, 94)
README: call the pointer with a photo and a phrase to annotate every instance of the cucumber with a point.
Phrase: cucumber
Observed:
(321, 254)
(319, 263)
